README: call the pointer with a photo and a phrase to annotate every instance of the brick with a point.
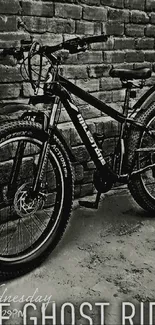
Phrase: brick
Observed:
(65, 129)
(134, 56)
(68, 11)
(84, 27)
(88, 176)
(118, 15)
(150, 82)
(86, 189)
(135, 4)
(75, 138)
(88, 85)
(118, 95)
(139, 17)
(108, 146)
(113, 28)
(77, 190)
(90, 165)
(80, 153)
(9, 74)
(42, 24)
(9, 7)
(94, 13)
(97, 71)
(97, 28)
(110, 127)
(78, 173)
(5, 169)
(134, 30)
(110, 84)
(142, 65)
(64, 117)
(8, 23)
(124, 65)
(113, 3)
(124, 43)
(11, 39)
(109, 45)
(153, 67)
(59, 26)
(7, 60)
(152, 15)
(105, 96)
(114, 56)
(107, 125)
(36, 24)
(9, 91)
(39, 8)
(150, 56)
(150, 5)
(144, 43)
(66, 58)
(90, 112)
(90, 122)
(91, 2)
(90, 57)
(150, 31)
(50, 39)
(27, 90)
(77, 72)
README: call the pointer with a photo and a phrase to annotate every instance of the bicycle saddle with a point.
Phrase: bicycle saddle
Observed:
(129, 74)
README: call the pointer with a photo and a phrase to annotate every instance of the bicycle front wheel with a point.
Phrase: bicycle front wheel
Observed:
(30, 227)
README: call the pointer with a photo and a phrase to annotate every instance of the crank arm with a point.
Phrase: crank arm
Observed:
(89, 204)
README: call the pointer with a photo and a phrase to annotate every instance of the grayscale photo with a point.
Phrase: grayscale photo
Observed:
(77, 162)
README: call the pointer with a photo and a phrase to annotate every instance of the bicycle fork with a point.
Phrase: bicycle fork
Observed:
(41, 161)
(43, 158)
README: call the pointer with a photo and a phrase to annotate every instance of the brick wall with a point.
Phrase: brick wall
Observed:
(131, 27)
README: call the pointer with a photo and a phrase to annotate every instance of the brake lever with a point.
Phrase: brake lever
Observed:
(76, 50)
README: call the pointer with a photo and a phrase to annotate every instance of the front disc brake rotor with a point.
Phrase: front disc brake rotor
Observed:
(23, 203)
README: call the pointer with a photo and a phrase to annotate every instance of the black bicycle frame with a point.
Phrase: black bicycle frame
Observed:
(62, 89)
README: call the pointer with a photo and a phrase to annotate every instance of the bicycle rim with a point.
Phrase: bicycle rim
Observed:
(147, 157)
(26, 224)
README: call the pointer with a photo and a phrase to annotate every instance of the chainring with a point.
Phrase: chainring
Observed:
(101, 184)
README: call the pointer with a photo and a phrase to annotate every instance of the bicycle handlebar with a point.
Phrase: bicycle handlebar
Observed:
(71, 45)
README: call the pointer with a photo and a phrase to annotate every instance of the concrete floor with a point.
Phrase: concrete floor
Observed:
(106, 255)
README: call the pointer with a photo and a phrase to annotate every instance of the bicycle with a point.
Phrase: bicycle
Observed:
(37, 182)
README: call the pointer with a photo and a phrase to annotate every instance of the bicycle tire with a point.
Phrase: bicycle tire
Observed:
(136, 185)
(12, 267)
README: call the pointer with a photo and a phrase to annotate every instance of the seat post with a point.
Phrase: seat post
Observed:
(128, 87)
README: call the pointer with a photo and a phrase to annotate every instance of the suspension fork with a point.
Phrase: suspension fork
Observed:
(16, 167)
(43, 158)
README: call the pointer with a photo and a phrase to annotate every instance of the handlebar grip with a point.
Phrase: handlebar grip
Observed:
(51, 49)
(94, 39)
(25, 42)
(7, 51)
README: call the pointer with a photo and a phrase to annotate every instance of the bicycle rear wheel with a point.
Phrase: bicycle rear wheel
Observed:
(31, 227)
(141, 153)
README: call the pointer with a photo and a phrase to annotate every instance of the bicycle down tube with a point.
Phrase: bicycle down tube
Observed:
(78, 120)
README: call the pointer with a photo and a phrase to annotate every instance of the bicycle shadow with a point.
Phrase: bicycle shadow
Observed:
(118, 214)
